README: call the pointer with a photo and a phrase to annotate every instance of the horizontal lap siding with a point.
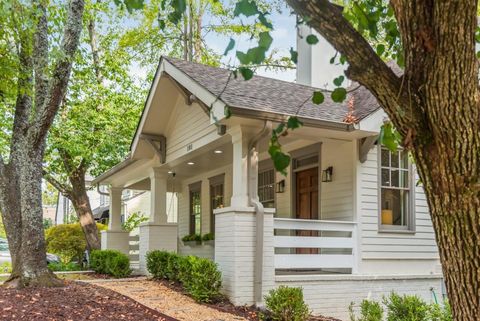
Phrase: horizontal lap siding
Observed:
(187, 125)
(377, 245)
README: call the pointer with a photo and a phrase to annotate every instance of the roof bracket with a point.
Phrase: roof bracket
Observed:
(158, 144)
(365, 144)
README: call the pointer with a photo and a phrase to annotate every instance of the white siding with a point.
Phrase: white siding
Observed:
(385, 245)
(187, 125)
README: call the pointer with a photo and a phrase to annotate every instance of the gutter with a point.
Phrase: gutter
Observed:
(252, 170)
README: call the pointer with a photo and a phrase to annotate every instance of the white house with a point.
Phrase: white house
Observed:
(348, 221)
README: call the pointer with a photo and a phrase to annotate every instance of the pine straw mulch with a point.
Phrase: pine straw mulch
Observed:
(76, 302)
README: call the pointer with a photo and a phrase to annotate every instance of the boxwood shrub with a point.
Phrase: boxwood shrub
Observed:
(110, 262)
(287, 304)
(200, 277)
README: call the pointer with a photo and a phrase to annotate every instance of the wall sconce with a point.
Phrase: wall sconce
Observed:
(327, 174)
(280, 186)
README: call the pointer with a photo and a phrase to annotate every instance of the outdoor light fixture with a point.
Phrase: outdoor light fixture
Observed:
(280, 186)
(218, 151)
(190, 163)
(327, 174)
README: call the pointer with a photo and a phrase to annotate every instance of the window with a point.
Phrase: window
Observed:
(266, 188)
(195, 209)
(216, 197)
(396, 206)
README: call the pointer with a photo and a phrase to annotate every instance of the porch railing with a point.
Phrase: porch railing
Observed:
(314, 244)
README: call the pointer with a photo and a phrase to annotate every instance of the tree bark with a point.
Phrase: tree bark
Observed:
(21, 177)
(435, 106)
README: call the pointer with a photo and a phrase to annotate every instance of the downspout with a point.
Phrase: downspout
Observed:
(252, 170)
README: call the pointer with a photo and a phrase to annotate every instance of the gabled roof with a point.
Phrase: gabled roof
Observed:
(275, 96)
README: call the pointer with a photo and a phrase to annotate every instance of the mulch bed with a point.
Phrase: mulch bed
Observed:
(76, 301)
(250, 313)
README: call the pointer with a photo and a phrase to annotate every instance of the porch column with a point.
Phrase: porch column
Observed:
(157, 233)
(239, 167)
(115, 238)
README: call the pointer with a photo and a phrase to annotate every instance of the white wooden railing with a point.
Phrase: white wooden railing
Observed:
(290, 247)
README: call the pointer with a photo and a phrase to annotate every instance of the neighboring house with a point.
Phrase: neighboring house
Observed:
(348, 221)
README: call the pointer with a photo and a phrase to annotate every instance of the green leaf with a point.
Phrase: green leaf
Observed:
(265, 40)
(293, 55)
(281, 161)
(338, 81)
(256, 55)
(343, 59)
(263, 20)
(388, 138)
(247, 73)
(245, 7)
(318, 97)
(312, 39)
(294, 123)
(380, 49)
(227, 112)
(243, 58)
(133, 5)
(280, 128)
(230, 46)
(339, 94)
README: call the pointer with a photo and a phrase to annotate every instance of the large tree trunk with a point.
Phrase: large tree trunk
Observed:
(81, 203)
(435, 106)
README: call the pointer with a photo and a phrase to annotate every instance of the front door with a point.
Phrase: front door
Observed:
(306, 185)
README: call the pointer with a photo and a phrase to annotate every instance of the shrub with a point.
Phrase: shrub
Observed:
(369, 311)
(111, 262)
(406, 308)
(157, 264)
(286, 304)
(438, 312)
(6, 267)
(71, 266)
(200, 277)
(67, 241)
(204, 280)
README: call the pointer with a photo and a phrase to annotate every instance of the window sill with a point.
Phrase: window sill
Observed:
(394, 231)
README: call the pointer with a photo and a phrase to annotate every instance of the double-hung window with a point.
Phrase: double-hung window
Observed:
(266, 187)
(396, 191)
(195, 208)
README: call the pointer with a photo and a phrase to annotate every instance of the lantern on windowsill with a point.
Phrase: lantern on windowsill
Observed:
(327, 174)
(387, 215)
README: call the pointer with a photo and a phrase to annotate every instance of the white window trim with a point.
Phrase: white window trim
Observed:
(412, 217)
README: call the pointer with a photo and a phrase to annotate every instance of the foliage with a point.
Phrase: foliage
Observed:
(192, 237)
(405, 308)
(287, 304)
(401, 308)
(47, 223)
(63, 267)
(157, 262)
(3, 235)
(133, 221)
(6, 267)
(208, 237)
(369, 311)
(49, 194)
(67, 241)
(110, 262)
(200, 277)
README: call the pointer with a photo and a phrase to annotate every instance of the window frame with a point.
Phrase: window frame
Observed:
(410, 227)
(215, 182)
(194, 188)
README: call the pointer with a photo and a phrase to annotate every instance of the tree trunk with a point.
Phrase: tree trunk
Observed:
(23, 218)
(81, 203)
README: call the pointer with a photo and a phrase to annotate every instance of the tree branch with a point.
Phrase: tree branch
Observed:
(61, 72)
(365, 66)
(61, 187)
(40, 55)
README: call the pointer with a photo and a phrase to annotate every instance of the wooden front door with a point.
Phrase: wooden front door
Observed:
(307, 201)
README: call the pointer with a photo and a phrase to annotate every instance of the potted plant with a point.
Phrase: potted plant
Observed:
(208, 239)
(192, 240)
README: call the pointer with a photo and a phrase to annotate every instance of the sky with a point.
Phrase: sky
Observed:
(284, 38)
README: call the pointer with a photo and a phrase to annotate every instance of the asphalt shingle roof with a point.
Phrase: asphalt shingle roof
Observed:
(275, 96)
